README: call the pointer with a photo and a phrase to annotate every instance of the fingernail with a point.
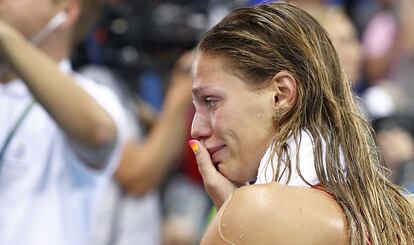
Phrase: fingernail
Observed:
(194, 146)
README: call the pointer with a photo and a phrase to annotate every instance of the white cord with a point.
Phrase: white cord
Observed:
(54, 23)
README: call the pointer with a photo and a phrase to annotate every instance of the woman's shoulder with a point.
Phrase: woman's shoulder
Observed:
(278, 214)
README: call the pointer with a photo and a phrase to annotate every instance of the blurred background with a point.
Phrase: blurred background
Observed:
(135, 44)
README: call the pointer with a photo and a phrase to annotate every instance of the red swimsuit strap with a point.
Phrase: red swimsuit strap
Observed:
(321, 188)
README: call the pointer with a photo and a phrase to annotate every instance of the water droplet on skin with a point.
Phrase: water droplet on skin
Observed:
(241, 236)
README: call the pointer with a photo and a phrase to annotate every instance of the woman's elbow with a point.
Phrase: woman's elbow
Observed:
(138, 188)
(103, 133)
(134, 184)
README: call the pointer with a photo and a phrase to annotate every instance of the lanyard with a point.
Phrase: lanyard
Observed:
(14, 129)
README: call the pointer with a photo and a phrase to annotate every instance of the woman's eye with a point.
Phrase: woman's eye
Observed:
(210, 102)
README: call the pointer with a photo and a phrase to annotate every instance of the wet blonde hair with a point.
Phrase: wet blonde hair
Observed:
(258, 42)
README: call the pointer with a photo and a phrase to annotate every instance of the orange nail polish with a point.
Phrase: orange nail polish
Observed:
(194, 146)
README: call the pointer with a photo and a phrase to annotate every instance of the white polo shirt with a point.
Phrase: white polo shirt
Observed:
(47, 194)
(124, 218)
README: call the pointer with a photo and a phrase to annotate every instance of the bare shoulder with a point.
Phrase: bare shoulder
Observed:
(277, 214)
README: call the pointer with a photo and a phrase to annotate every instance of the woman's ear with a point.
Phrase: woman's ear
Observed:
(71, 9)
(285, 90)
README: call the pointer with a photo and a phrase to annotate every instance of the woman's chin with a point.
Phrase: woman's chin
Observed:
(234, 177)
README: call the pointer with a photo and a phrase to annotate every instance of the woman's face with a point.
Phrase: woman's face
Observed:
(28, 16)
(232, 120)
(345, 40)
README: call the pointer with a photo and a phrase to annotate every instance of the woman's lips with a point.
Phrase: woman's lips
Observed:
(215, 153)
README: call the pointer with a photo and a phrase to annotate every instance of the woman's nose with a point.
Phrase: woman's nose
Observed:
(200, 128)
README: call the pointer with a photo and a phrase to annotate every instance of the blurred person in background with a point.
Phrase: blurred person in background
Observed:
(388, 44)
(384, 97)
(141, 53)
(60, 133)
(388, 39)
(395, 137)
(131, 211)
(344, 37)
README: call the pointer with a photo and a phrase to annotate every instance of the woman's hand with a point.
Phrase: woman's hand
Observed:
(217, 186)
(179, 93)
